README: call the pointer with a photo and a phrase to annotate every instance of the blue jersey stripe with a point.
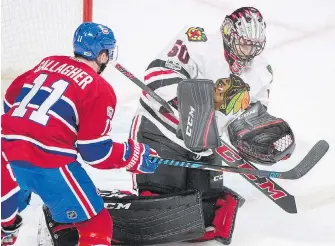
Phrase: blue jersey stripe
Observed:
(95, 151)
(6, 108)
(61, 107)
(9, 206)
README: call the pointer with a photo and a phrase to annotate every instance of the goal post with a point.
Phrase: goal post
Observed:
(33, 29)
(87, 10)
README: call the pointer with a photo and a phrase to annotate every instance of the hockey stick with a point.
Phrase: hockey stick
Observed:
(143, 86)
(310, 160)
(267, 186)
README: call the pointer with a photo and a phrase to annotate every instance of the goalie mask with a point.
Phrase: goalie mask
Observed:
(244, 37)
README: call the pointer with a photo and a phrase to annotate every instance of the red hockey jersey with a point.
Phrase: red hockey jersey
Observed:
(57, 109)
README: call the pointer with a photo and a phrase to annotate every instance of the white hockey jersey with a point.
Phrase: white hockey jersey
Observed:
(194, 54)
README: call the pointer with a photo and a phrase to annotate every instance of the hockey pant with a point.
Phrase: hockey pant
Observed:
(71, 196)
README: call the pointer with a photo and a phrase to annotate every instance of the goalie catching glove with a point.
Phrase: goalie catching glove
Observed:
(260, 137)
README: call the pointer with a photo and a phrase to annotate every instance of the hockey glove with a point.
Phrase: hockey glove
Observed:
(10, 233)
(260, 137)
(136, 158)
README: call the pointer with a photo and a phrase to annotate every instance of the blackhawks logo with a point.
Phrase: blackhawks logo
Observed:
(231, 95)
(196, 34)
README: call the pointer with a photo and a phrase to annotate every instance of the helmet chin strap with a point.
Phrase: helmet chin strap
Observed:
(102, 66)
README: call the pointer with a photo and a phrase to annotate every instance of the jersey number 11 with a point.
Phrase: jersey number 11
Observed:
(41, 114)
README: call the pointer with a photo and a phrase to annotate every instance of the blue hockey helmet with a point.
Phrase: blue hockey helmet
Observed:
(91, 38)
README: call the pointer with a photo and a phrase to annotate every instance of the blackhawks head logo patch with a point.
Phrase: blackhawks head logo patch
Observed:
(196, 34)
(231, 95)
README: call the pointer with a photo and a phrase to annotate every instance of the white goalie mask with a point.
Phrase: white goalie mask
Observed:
(244, 33)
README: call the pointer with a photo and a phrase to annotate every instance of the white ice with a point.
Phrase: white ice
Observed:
(300, 46)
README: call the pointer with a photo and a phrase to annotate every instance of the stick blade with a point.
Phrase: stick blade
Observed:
(288, 204)
(309, 161)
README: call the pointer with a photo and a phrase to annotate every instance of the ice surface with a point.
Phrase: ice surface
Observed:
(301, 38)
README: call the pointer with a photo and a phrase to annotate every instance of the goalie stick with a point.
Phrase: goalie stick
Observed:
(309, 161)
(259, 178)
(267, 186)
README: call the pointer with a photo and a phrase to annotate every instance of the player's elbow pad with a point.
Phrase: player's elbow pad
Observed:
(104, 154)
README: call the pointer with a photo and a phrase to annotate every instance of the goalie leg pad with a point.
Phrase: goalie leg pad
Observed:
(153, 220)
(156, 219)
(219, 209)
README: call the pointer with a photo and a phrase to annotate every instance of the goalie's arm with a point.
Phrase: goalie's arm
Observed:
(265, 79)
(174, 64)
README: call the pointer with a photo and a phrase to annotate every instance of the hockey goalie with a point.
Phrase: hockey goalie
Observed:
(218, 86)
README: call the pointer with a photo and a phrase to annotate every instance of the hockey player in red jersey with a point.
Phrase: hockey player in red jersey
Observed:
(61, 108)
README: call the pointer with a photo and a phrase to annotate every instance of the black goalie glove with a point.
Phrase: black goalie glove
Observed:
(260, 137)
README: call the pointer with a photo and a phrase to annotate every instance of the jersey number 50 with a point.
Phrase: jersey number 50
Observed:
(41, 114)
(180, 49)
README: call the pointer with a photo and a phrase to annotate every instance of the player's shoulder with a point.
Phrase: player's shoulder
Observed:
(185, 50)
(190, 35)
(264, 68)
(195, 34)
(57, 58)
(103, 87)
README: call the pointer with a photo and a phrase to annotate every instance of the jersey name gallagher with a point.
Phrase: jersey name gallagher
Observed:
(77, 74)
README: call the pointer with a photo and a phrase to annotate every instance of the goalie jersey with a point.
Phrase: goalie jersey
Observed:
(193, 54)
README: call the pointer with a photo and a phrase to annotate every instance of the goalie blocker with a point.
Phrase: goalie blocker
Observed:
(197, 124)
(143, 220)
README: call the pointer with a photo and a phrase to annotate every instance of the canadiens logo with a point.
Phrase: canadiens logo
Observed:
(196, 34)
(105, 31)
(231, 95)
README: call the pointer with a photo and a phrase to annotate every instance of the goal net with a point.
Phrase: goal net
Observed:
(33, 29)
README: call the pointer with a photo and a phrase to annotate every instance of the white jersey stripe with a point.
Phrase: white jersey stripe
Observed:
(12, 216)
(10, 194)
(74, 192)
(34, 141)
(94, 140)
(81, 191)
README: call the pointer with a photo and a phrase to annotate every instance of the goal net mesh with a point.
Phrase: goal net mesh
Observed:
(33, 29)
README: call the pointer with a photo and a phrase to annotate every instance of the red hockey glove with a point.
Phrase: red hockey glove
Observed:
(10, 233)
(136, 158)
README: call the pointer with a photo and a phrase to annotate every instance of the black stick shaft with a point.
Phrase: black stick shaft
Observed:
(143, 86)
(309, 161)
